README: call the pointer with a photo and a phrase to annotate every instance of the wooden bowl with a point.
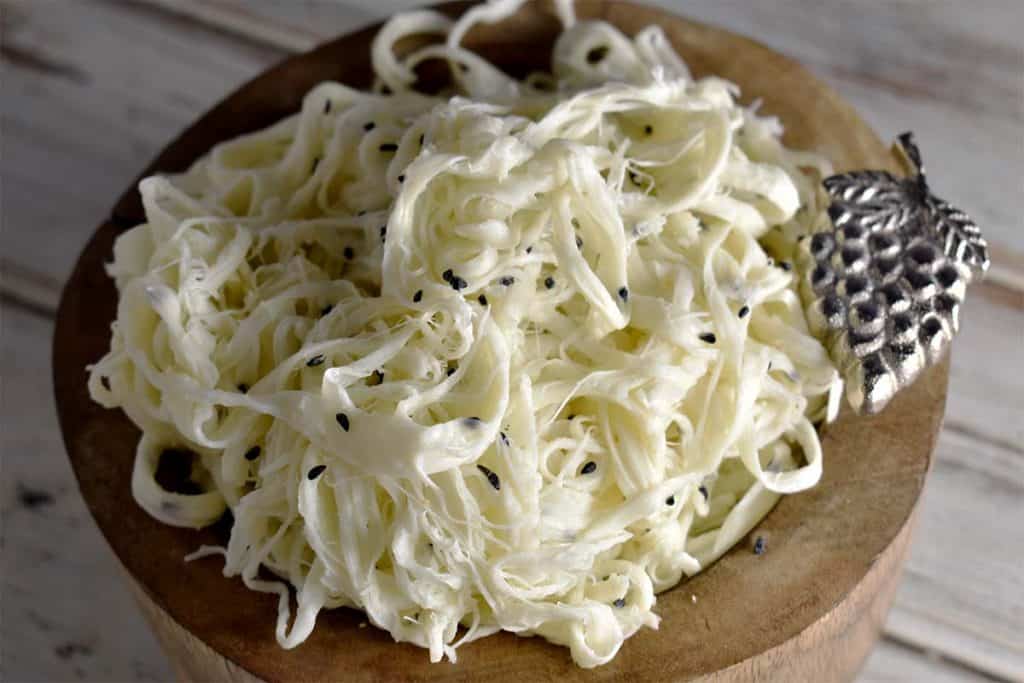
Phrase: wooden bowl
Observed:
(810, 608)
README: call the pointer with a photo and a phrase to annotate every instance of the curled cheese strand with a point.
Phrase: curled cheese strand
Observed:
(513, 357)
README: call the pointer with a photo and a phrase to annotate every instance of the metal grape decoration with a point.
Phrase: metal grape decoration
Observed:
(885, 285)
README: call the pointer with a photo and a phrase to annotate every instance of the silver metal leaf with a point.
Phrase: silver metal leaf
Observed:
(883, 285)
(876, 200)
(871, 190)
(961, 237)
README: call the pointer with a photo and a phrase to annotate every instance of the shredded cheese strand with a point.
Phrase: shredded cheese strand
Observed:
(514, 357)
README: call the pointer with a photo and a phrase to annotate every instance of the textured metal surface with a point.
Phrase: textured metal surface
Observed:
(885, 284)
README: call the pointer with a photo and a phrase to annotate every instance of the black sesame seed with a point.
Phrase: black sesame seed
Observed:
(579, 242)
(744, 311)
(703, 491)
(504, 437)
(388, 147)
(759, 546)
(549, 282)
(342, 419)
(315, 361)
(383, 231)
(326, 309)
(369, 126)
(244, 388)
(350, 253)
(785, 265)
(418, 296)
(450, 371)
(529, 250)
(571, 416)
(648, 130)
(482, 299)
(315, 472)
(327, 107)
(671, 500)
(507, 281)
(458, 283)
(708, 338)
(401, 178)
(447, 275)
(620, 603)
(588, 467)
(105, 381)
(596, 54)
(623, 293)
(316, 162)
(491, 477)
(252, 453)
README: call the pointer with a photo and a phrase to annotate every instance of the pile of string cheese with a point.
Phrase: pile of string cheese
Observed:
(514, 357)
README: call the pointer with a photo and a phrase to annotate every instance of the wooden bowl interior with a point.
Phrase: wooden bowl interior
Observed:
(821, 544)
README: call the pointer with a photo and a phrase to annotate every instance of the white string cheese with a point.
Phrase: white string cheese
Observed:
(510, 357)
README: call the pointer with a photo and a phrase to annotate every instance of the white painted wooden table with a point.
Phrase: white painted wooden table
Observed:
(90, 90)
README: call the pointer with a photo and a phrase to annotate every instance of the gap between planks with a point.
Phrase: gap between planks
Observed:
(241, 21)
(24, 288)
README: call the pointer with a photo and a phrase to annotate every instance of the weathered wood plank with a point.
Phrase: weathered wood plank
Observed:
(68, 614)
(92, 91)
(291, 26)
(963, 591)
(987, 372)
(892, 662)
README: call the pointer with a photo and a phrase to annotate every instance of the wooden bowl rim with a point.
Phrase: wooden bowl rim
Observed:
(82, 334)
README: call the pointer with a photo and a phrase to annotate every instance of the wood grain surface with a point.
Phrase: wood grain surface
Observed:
(82, 114)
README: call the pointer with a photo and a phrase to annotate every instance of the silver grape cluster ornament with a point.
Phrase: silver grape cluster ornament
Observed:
(883, 288)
